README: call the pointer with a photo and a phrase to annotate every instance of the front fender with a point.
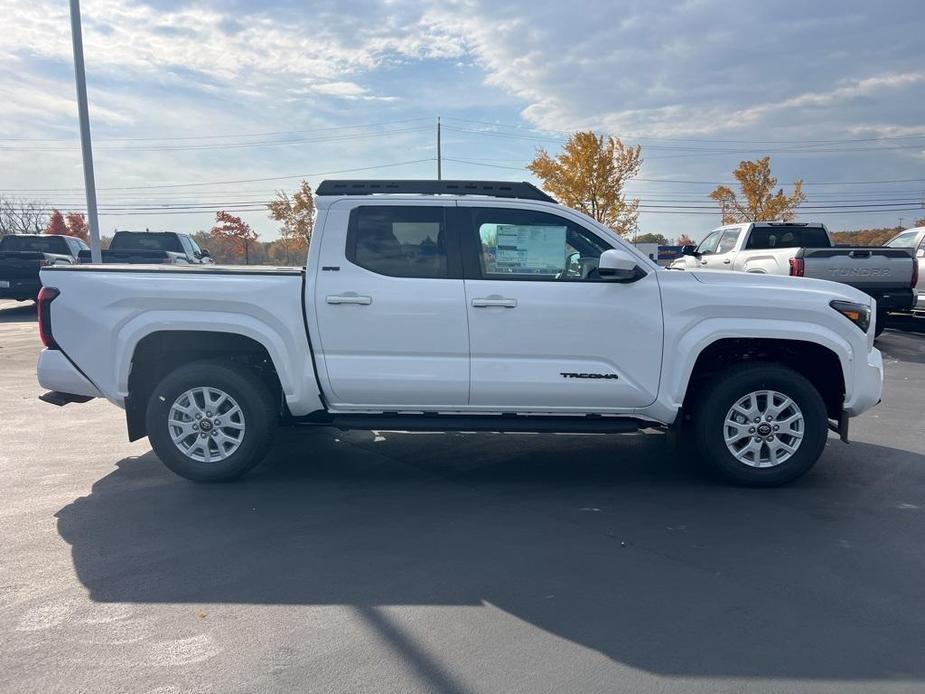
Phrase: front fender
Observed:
(678, 365)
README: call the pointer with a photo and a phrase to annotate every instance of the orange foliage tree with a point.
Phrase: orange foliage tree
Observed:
(759, 202)
(234, 232)
(56, 224)
(77, 226)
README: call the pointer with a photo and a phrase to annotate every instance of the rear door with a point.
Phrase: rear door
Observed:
(390, 307)
(546, 332)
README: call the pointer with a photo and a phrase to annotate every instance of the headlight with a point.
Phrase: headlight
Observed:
(859, 314)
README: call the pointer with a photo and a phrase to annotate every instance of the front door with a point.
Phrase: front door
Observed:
(723, 256)
(390, 306)
(546, 332)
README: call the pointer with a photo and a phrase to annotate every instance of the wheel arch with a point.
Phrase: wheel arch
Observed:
(162, 351)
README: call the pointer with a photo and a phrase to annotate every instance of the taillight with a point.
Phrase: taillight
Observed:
(796, 267)
(44, 262)
(45, 297)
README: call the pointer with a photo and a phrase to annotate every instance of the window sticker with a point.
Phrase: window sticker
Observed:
(524, 250)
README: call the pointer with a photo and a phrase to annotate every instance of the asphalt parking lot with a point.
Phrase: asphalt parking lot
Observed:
(381, 562)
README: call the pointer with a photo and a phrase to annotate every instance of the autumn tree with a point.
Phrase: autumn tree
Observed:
(589, 175)
(651, 238)
(235, 232)
(759, 203)
(77, 226)
(684, 240)
(296, 215)
(56, 224)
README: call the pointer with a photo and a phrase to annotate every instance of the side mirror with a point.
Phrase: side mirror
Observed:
(690, 249)
(205, 253)
(920, 253)
(617, 265)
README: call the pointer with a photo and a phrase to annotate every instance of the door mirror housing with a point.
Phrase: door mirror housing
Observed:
(616, 265)
(691, 250)
(920, 253)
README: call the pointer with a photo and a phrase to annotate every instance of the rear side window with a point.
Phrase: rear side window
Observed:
(783, 236)
(399, 241)
(904, 240)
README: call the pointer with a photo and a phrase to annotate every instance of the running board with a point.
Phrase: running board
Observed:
(496, 423)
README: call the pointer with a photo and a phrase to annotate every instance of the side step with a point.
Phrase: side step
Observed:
(60, 399)
(496, 423)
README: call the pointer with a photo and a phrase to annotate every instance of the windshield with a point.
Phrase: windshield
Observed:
(904, 240)
(34, 244)
(145, 241)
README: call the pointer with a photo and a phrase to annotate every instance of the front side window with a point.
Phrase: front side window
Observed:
(399, 241)
(709, 244)
(728, 241)
(522, 244)
(904, 240)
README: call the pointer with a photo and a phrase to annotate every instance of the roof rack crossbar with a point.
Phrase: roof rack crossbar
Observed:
(498, 189)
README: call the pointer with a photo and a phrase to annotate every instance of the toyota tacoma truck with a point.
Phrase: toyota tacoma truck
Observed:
(888, 275)
(23, 255)
(466, 306)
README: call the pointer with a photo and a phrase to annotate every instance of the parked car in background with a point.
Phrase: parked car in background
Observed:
(23, 255)
(915, 240)
(159, 247)
(807, 250)
(469, 306)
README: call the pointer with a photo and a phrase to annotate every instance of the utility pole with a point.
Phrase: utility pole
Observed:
(439, 153)
(85, 146)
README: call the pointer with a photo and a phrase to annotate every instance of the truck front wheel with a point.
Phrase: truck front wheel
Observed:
(760, 425)
(211, 421)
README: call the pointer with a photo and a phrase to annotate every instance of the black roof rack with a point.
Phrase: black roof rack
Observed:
(496, 189)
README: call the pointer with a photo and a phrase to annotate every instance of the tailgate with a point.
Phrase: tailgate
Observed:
(864, 268)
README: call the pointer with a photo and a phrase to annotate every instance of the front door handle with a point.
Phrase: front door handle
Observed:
(726, 261)
(349, 299)
(494, 301)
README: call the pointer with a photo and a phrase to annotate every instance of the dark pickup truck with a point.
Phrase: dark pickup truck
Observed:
(152, 247)
(23, 255)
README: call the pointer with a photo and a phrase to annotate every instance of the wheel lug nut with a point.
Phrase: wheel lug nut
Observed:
(776, 427)
(195, 426)
(757, 438)
(771, 437)
(769, 418)
(757, 420)
(203, 435)
(751, 430)
(217, 422)
(198, 416)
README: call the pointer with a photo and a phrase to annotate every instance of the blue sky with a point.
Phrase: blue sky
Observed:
(207, 104)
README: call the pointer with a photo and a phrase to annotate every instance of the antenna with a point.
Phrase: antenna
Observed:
(439, 153)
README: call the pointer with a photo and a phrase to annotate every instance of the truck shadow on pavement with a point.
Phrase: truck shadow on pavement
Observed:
(615, 545)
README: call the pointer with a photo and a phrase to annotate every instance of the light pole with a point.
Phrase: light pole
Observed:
(85, 146)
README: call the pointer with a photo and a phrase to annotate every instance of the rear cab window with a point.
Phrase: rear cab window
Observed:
(145, 241)
(399, 240)
(787, 236)
(13, 243)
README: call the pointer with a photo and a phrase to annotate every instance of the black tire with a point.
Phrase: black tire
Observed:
(880, 324)
(732, 385)
(257, 404)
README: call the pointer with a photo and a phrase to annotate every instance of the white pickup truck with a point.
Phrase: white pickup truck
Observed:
(807, 250)
(914, 239)
(469, 306)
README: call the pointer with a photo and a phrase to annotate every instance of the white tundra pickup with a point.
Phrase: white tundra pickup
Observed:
(461, 305)
(807, 250)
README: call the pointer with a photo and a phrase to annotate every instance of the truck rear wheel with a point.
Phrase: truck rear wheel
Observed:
(210, 421)
(760, 425)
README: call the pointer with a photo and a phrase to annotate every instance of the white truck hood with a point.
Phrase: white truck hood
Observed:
(777, 283)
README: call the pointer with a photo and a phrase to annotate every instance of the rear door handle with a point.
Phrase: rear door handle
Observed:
(349, 299)
(727, 261)
(494, 301)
